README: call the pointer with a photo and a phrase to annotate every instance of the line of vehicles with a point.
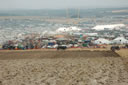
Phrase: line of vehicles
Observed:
(116, 47)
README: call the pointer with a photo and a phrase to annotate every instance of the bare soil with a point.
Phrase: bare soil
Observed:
(62, 68)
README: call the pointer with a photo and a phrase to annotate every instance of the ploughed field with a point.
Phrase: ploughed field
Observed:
(62, 68)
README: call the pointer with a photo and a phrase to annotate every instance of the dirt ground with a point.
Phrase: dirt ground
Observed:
(123, 53)
(63, 68)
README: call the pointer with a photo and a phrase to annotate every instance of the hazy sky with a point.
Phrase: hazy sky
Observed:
(58, 4)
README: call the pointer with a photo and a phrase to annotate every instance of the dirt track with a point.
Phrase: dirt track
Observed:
(62, 68)
(54, 54)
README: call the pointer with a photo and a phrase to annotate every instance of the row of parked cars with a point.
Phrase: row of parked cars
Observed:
(116, 47)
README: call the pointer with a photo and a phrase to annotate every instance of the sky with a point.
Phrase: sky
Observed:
(59, 4)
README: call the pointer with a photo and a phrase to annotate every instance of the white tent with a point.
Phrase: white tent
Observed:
(91, 34)
(120, 40)
(69, 29)
(109, 27)
(102, 41)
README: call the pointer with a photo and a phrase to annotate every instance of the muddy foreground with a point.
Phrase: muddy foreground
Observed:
(63, 68)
